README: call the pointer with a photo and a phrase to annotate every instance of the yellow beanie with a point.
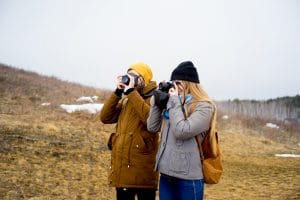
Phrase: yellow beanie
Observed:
(143, 70)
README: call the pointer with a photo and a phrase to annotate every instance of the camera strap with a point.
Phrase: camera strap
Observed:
(187, 98)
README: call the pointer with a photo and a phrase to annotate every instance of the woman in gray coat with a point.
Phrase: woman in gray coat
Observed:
(189, 112)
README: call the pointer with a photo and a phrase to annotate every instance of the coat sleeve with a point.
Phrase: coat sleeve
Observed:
(196, 123)
(111, 110)
(154, 120)
(140, 105)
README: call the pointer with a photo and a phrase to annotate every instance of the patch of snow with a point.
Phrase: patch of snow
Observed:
(85, 99)
(89, 107)
(225, 117)
(46, 104)
(288, 155)
(95, 98)
(299, 144)
(271, 125)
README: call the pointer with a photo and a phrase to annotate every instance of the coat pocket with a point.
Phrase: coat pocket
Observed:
(140, 145)
(179, 162)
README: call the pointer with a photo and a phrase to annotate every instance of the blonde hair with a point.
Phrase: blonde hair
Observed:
(199, 94)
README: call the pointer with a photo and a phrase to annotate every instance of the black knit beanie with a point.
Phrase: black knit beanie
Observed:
(185, 71)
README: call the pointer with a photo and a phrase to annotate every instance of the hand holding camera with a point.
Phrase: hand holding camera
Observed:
(161, 96)
(173, 90)
(127, 82)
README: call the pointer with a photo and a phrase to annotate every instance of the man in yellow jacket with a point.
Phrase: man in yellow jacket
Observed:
(133, 147)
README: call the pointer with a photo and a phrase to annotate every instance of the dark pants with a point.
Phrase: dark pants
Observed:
(130, 193)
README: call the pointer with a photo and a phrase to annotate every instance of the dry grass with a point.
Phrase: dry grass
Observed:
(46, 153)
(252, 172)
(56, 160)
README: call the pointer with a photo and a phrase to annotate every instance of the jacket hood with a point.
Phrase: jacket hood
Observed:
(148, 88)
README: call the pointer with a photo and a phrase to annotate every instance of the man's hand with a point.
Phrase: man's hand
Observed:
(130, 85)
(119, 83)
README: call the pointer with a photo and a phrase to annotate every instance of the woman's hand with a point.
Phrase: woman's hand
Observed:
(174, 90)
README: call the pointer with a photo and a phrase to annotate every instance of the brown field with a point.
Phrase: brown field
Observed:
(46, 153)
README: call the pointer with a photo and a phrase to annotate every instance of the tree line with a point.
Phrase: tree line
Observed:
(280, 108)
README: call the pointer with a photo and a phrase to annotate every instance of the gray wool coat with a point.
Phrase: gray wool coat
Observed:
(178, 155)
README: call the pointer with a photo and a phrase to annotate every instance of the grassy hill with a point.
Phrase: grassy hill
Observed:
(46, 153)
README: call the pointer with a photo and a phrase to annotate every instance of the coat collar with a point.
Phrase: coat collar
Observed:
(149, 88)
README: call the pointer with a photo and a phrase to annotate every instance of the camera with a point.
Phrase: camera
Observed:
(161, 96)
(165, 86)
(126, 80)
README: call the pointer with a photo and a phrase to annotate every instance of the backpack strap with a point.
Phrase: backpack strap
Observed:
(198, 140)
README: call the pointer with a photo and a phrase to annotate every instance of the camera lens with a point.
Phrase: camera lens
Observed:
(125, 79)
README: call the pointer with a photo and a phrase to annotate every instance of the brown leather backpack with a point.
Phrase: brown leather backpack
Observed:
(211, 164)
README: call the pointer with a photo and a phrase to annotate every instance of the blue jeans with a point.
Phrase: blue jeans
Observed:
(171, 188)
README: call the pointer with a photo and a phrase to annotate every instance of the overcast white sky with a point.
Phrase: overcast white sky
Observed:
(242, 49)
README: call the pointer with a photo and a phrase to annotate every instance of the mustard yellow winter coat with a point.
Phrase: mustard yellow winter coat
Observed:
(133, 147)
